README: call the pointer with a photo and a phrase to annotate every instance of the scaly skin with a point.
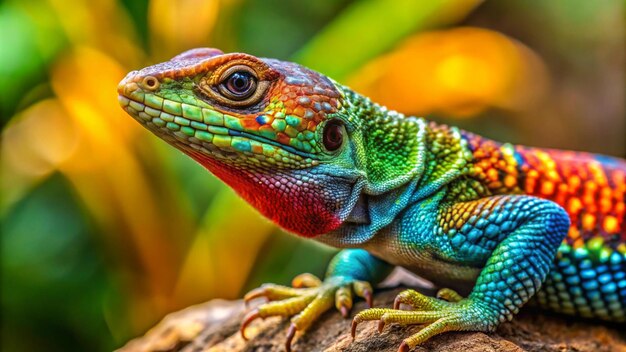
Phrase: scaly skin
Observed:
(499, 223)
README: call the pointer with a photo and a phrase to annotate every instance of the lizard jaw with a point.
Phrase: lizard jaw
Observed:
(204, 130)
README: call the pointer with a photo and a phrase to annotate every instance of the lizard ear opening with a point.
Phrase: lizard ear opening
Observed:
(394, 153)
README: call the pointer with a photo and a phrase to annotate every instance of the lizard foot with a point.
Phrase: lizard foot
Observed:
(305, 301)
(453, 314)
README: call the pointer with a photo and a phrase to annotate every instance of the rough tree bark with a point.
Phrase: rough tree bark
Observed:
(214, 326)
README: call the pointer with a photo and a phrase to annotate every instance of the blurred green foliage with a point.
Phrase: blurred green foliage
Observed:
(105, 228)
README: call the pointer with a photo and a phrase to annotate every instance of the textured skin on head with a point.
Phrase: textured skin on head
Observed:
(247, 147)
(504, 224)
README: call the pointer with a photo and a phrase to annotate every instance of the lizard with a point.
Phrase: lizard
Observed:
(494, 225)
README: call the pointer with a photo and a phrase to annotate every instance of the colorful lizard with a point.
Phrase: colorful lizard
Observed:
(500, 223)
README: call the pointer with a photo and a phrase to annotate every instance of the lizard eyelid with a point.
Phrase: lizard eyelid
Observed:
(226, 91)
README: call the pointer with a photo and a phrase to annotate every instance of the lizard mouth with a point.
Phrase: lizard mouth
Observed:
(206, 135)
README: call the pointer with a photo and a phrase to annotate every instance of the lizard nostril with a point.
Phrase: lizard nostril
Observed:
(129, 88)
(150, 83)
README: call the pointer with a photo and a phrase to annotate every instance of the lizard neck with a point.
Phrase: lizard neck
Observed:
(448, 158)
(406, 160)
(493, 168)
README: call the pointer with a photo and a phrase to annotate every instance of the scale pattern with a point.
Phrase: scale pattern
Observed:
(504, 224)
(588, 277)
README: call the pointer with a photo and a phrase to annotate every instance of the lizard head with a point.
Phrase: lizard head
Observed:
(274, 131)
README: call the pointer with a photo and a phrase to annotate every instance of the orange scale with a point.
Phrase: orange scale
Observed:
(588, 199)
(315, 97)
(510, 181)
(610, 224)
(591, 186)
(510, 170)
(298, 111)
(553, 175)
(605, 205)
(492, 174)
(530, 186)
(578, 243)
(573, 182)
(589, 222)
(574, 205)
(495, 185)
(598, 173)
(547, 188)
(257, 149)
(573, 233)
(250, 124)
(283, 138)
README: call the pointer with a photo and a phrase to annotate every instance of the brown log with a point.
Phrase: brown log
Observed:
(214, 326)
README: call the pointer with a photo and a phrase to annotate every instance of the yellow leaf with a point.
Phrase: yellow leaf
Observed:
(224, 250)
(182, 25)
(460, 71)
(111, 181)
(36, 142)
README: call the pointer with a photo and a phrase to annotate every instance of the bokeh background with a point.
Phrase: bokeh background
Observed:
(105, 228)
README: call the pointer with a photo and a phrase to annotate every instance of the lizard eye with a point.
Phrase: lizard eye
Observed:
(239, 83)
(333, 135)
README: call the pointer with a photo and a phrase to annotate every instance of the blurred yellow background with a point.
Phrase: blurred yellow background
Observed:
(105, 228)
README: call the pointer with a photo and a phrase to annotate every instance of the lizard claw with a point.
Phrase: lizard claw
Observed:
(252, 315)
(396, 303)
(364, 289)
(344, 311)
(369, 298)
(290, 334)
(256, 293)
(403, 347)
(343, 300)
(381, 326)
(304, 304)
(355, 322)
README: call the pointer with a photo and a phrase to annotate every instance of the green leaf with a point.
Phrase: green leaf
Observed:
(368, 28)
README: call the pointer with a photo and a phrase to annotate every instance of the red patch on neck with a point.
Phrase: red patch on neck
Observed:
(299, 209)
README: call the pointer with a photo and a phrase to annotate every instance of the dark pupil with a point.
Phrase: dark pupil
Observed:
(239, 82)
(333, 136)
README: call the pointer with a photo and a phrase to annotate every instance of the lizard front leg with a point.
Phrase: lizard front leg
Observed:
(351, 270)
(513, 238)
